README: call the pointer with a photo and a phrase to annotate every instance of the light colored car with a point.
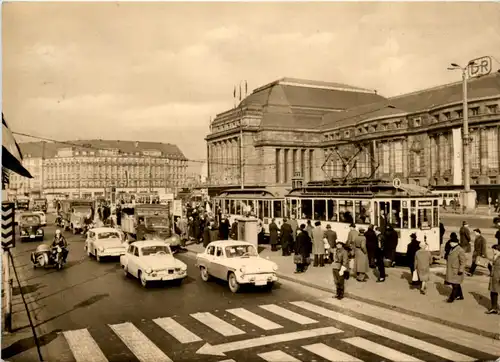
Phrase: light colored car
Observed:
(238, 262)
(43, 217)
(152, 260)
(104, 242)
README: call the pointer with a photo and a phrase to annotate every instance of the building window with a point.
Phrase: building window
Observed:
(474, 147)
(492, 108)
(460, 113)
(492, 146)
(346, 134)
(311, 164)
(398, 157)
(446, 116)
(278, 165)
(474, 111)
(417, 122)
(385, 158)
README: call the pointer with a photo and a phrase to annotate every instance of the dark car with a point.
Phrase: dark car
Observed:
(30, 227)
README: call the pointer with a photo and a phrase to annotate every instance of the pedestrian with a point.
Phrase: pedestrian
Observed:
(447, 246)
(318, 245)
(351, 237)
(224, 228)
(234, 230)
(371, 245)
(455, 268)
(494, 285)
(465, 237)
(411, 250)
(422, 263)
(273, 235)
(286, 237)
(497, 236)
(295, 227)
(331, 237)
(391, 244)
(340, 268)
(303, 247)
(360, 256)
(479, 251)
(442, 231)
(379, 256)
(309, 228)
(214, 230)
(206, 235)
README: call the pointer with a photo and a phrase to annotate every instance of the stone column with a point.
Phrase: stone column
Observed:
(483, 151)
(405, 157)
(306, 166)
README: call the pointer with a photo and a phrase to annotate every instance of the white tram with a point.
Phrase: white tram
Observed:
(409, 208)
(262, 203)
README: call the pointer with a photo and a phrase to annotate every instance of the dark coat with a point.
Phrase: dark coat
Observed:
(391, 243)
(340, 258)
(206, 236)
(494, 285)
(479, 247)
(371, 241)
(360, 254)
(224, 230)
(234, 231)
(455, 265)
(331, 236)
(412, 249)
(465, 239)
(273, 233)
(286, 234)
(303, 245)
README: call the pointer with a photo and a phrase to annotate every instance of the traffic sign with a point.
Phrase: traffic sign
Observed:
(396, 183)
(8, 227)
(480, 67)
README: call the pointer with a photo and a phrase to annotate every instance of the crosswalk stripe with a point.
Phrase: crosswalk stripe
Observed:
(277, 356)
(382, 351)
(255, 319)
(287, 314)
(330, 353)
(217, 324)
(143, 349)
(395, 336)
(176, 330)
(441, 331)
(83, 346)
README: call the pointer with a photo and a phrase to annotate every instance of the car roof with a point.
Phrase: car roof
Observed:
(143, 243)
(104, 230)
(224, 243)
(38, 212)
(29, 214)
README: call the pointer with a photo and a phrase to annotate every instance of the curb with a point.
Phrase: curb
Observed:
(388, 306)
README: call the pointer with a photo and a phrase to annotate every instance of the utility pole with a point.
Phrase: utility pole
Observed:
(242, 164)
(42, 171)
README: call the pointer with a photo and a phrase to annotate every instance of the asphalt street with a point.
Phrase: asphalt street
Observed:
(90, 312)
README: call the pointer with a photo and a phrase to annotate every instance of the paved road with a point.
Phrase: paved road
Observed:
(91, 312)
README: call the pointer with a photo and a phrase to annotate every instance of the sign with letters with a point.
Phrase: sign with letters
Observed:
(425, 203)
(480, 67)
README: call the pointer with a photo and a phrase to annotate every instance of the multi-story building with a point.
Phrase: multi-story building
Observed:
(291, 127)
(86, 168)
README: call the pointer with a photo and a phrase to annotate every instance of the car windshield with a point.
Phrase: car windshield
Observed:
(240, 250)
(155, 221)
(108, 235)
(31, 220)
(82, 209)
(150, 250)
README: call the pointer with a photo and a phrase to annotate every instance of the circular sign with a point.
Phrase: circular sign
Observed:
(396, 183)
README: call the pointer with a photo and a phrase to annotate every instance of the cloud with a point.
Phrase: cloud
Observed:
(222, 33)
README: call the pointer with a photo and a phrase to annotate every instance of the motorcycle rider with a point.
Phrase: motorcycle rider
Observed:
(60, 241)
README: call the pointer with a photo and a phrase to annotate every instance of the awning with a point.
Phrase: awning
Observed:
(11, 153)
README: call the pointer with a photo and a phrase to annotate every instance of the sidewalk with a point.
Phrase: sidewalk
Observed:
(395, 293)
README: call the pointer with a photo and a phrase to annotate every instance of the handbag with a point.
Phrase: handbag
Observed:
(414, 277)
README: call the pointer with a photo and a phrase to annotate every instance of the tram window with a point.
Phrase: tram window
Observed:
(260, 209)
(436, 216)
(239, 205)
(425, 217)
(362, 212)
(277, 209)
(345, 211)
(320, 210)
(406, 218)
(332, 210)
(307, 209)
(294, 208)
(267, 208)
(395, 216)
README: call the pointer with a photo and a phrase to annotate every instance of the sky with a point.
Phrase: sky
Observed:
(160, 71)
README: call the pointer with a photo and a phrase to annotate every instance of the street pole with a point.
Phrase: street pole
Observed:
(242, 170)
(466, 137)
(7, 290)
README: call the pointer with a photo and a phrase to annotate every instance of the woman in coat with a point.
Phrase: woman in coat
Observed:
(360, 256)
(494, 286)
(411, 251)
(340, 268)
(303, 249)
(455, 268)
(422, 263)
(273, 235)
(309, 228)
(318, 245)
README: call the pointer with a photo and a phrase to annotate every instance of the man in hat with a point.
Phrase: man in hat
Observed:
(331, 237)
(340, 268)
(494, 286)
(479, 251)
(465, 237)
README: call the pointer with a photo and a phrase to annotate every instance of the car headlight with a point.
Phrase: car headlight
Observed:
(243, 270)
(183, 268)
(39, 231)
(101, 249)
(275, 267)
(149, 271)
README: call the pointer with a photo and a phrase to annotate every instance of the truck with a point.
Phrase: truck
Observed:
(149, 221)
(74, 213)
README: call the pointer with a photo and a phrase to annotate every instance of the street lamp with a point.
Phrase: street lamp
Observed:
(469, 199)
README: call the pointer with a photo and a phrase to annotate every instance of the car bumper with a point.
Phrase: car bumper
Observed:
(32, 236)
(157, 277)
(258, 279)
(111, 253)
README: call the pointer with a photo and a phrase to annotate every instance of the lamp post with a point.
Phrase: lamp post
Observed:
(468, 199)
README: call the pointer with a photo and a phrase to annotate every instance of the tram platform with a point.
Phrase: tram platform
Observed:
(395, 292)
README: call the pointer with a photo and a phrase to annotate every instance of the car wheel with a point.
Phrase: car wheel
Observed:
(234, 286)
(143, 280)
(204, 274)
(269, 286)
(177, 282)
(125, 272)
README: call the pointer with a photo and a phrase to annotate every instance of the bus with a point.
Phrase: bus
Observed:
(408, 208)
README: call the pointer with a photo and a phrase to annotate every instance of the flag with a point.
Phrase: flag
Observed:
(246, 88)
(11, 153)
(240, 91)
(234, 92)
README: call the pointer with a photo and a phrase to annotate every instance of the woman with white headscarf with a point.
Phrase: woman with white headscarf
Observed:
(423, 261)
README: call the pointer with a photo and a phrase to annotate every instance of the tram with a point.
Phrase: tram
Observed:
(408, 208)
(264, 204)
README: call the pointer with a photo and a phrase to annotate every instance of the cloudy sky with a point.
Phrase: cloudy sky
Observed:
(159, 71)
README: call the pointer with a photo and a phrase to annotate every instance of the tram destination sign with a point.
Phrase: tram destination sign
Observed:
(425, 203)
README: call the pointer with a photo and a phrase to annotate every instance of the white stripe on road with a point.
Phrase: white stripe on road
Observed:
(83, 346)
(217, 324)
(395, 336)
(176, 330)
(288, 314)
(277, 356)
(255, 319)
(143, 349)
(457, 336)
(330, 353)
(382, 351)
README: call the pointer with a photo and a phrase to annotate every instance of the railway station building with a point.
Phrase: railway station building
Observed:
(293, 128)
